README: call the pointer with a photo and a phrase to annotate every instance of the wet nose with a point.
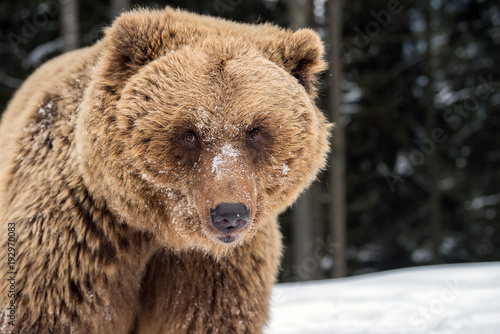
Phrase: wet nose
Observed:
(228, 217)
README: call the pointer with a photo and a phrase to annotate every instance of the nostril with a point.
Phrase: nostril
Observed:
(225, 224)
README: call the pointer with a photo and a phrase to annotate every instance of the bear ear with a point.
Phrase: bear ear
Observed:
(133, 40)
(302, 57)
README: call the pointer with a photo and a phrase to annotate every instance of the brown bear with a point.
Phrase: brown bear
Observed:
(141, 178)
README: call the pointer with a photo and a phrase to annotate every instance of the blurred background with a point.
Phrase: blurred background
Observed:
(414, 87)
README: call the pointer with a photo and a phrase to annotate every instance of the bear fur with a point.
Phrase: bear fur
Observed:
(114, 154)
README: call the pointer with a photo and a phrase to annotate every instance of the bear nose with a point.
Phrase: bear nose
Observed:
(227, 217)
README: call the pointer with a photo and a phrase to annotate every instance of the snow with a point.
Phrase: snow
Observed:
(286, 169)
(444, 299)
(480, 202)
(220, 161)
(39, 54)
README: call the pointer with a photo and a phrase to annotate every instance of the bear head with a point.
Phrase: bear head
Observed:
(201, 130)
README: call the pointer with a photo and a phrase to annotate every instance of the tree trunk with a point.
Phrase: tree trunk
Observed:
(337, 177)
(435, 228)
(69, 24)
(118, 6)
(306, 266)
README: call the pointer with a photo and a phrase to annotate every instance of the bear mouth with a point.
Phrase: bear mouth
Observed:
(228, 238)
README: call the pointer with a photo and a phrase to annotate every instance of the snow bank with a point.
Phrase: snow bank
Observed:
(445, 299)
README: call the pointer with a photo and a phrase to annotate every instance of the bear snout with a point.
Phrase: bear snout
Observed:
(228, 218)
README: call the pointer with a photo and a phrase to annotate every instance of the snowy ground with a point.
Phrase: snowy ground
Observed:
(447, 299)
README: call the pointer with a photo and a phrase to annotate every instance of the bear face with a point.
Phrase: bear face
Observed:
(202, 141)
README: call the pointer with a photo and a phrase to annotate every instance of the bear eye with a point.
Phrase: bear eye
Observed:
(190, 137)
(254, 135)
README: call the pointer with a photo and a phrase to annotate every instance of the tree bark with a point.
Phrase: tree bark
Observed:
(70, 24)
(337, 177)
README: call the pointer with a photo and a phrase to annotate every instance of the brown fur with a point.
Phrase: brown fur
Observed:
(111, 205)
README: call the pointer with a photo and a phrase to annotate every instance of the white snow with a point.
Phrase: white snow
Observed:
(40, 53)
(227, 153)
(480, 202)
(445, 299)
(286, 169)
